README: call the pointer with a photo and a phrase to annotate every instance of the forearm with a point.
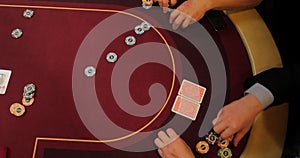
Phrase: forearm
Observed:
(231, 4)
(277, 80)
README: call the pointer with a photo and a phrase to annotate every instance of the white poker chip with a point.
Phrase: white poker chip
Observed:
(130, 40)
(17, 33)
(139, 30)
(111, 57)
(146, 26)
(28, 13)
(90, 71)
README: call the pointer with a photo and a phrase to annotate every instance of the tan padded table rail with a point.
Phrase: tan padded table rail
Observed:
(268, 132)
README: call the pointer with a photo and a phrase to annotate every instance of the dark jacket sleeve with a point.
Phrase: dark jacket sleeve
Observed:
(282, 82)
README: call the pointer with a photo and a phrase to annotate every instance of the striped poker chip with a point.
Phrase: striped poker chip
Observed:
(202, 147)
(27, 102)
(17, 109)
(130, 40)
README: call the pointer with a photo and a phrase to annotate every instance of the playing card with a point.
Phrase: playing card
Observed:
(4, 79)
(186, 107)
(192, 91)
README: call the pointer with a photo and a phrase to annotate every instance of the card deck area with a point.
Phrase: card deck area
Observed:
(189, 99)
(185, 107)
(4, 79)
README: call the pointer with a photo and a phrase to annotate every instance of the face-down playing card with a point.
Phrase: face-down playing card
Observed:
(192, 91)
(188, 100)
(186, 107)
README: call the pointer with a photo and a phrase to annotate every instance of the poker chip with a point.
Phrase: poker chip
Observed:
(139, 30)
(224, 153)
(90, 71)
(223, 143)
(148, 2)
(202, 147)
(17, 109)
(27, 102)
(146, 26)
(28, 13)
(28, 95)
(130, 40)
(212, 137)
(111, 57)
(29, 91)
(17, 33)
(29, 88)
(146, 6)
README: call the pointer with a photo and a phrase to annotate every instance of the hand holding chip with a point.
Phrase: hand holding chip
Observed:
(237, 118)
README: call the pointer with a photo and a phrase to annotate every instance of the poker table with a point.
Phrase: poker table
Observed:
(86, 105)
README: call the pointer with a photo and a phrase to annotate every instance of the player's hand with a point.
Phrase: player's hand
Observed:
(165, 4)
(172, 146)
(188, 13)
(237, 118)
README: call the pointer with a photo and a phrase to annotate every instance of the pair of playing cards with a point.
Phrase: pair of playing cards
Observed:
(189, 99)
(4, 78)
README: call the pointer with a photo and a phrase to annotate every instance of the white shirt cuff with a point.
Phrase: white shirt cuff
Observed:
(263, 94)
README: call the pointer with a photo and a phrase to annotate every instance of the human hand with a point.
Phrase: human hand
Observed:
(188, 13)
(170, 145)
(237, 118)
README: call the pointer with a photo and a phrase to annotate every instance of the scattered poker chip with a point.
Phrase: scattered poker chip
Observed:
(223, 143)
(139, 30)
(130, 40)
(17, 33)
(146, 26)
(212, 137)
(27, 102)
(202, 147)
(224, 153)
(90, 71)
(148, 2)
(28, 13)
(111, 57)
(17, 109)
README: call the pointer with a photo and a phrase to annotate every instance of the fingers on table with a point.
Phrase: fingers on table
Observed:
(165, 138)
(178, 18)
(164, 4)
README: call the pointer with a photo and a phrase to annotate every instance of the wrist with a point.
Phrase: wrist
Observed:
(253, 103)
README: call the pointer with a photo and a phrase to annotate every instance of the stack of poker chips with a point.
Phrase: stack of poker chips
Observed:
(28, 94)
(18, 109)
(212, 138)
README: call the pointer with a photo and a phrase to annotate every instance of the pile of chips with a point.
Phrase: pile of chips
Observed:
(212, 138)
(18, 109)
(28, 94)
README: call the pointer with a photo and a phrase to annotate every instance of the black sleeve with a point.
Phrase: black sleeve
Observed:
(282, 82)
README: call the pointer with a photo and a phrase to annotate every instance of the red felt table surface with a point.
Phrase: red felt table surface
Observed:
(49, 53)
